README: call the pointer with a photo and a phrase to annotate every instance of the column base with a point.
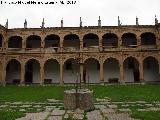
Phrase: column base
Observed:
(122, 82)
(142, 82)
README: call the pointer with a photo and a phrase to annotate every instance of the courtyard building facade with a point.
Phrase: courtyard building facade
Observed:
(90, 54)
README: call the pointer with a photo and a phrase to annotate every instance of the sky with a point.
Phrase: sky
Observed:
(88, 10)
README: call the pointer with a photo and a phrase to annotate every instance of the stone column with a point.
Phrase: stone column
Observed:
(4, 76)
(139, 41)
(42, 44)
(121, 72)
(61, 73)
(119, 41)
(61, 43)
(81, 44)
(141, 71)
(159, 66)
(22, 82)
(101, 72)
(100, 44)
(23, 43)
(158, 42)
(81, 73)
(41, 74)
(5, 44)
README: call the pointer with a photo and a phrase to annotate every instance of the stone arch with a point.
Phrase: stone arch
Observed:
(131, 70)
(71, 71)
(1, 40)
(148, 38)
(111, 70)
(91, 70)
(32, 71)
(13, 71)
(52, 40)
(151, 69)
(51, 71)
(71, 40)
(90, 40)
(15, 42)
(129, 40)
(33, 41)
(110, 40)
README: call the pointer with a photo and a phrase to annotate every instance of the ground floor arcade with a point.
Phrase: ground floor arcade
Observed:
(91, 70)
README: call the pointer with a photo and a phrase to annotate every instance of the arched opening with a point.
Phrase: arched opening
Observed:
(90, 40)
(15, 42)
(131, 70)
(71, 71)
(51, 71)
(52, 41)
(148, 39)
(13, 72)
(129, 40)
(1, 40)
(32, 72)
(91, 71)
(151, 69)
(111, 70)
(33, 41)
(110, 40)
(71, 41)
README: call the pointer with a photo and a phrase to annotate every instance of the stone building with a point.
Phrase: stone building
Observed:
(123, 53)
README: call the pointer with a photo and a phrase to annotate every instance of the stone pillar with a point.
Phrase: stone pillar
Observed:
(121, 72)
(81, 73)
(22, 82)
(101, 72)
(23, 43)
(100, 43)
(41, 73)
(42, 44)
(119, 41)
(139, 41)
(141, 71)
(158, 42)
(4, 76)
(81, 44)
(159, 66)
(61, 44)
(61, 73)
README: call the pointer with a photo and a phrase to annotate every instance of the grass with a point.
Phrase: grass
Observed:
(151, 115)
(115, 92)
(123, 93)
(10, 115)
(128, 92)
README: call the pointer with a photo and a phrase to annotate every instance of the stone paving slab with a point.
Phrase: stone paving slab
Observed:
(125, 110)
(55, 118)
(107, 110)
(78, 116)
(112, 106)
(118, 116)
(94, 115)
(35, 116)
(57, 112)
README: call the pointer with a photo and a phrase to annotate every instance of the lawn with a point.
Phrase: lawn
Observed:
(36, 93)
(115, 92)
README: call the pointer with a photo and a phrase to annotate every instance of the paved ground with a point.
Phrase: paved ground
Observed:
(105, 109)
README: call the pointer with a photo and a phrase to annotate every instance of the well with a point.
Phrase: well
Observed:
(80, 98)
